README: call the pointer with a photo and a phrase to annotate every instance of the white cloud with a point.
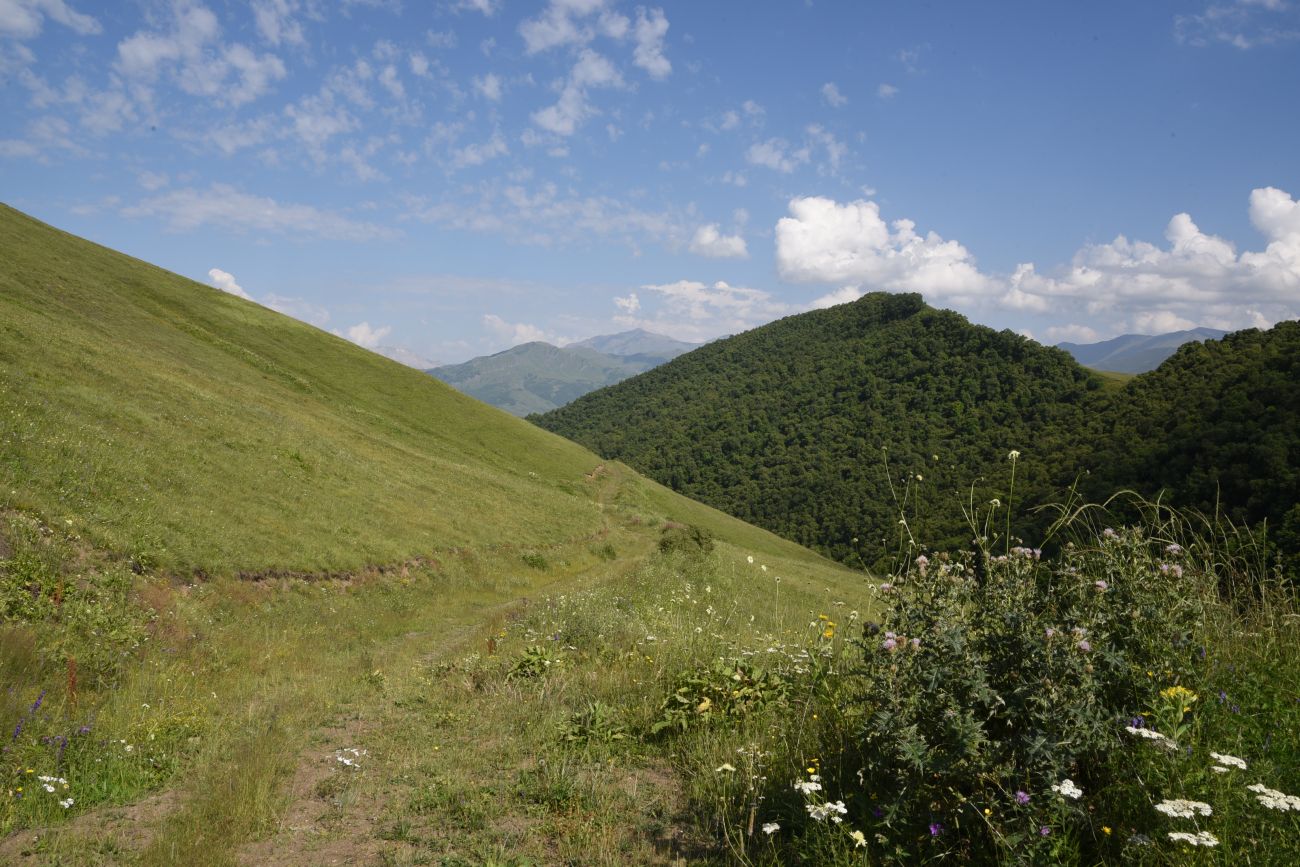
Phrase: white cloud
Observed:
(477, 154)
(362, 334)
(709, 241)
(573, 108)
(735, 179)
(390, 81)
(649, 52)
(694, 311)
(223, 206)
(886, 91)
(630, 304)
(225, 281)
(826, 242)
(199, 64)
(1245, 24)
(489, 86)
(565, 22)
(153, 180)
(836, 150)
(24, 19)
(730, 120)
(487, 7)
(275, 22)
(831, 93)
(1197, 278)
(777, 154)
(843, 295)
(513, 332)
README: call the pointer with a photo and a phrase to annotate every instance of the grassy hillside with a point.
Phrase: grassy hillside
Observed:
(189, 429)
(824, 427)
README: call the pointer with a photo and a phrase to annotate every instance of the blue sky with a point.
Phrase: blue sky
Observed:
(440, 179)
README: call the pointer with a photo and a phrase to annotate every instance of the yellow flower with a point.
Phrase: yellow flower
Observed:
(1105, 829)
(988, 812)
(829, 633)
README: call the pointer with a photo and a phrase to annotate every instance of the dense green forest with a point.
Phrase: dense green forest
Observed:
(826, 426)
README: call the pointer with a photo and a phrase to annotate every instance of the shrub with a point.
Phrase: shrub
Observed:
(686, 539)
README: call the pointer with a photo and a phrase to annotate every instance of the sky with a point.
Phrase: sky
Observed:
(441, 179)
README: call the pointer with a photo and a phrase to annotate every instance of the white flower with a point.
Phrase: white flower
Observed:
(48, 787)
(808, 787)
(1218, 769)
(859, 839)
(1275, 800)
(1152, 735)
(1230, 761)
(771, 828)
(66, 803)
(832, 810)
(750, 559)
(1067, 789)
(1013, 455)
(1181, 809)
(1200, 838)
(725, 767)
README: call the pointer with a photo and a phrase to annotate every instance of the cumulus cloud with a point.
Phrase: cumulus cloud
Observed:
(225, 281)
(1195, 278)
(694, 311)
(709, 241)
(24, 19)
(777, 154)
(223, 206)
(629, 304)
(513, 333)
(477, 154)
(275, 21)
(486, 7)
(489, 87)
(199, 63)
(573, 108)
(571, 22)
(843, 295)
(886, 91)
(362, 334)
(823, 241)
(831, 93)
(649, 52)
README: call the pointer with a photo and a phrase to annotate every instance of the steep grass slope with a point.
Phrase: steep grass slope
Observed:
(185, 428)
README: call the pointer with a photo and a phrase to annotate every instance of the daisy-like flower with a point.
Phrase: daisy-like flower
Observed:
(807, 787)
(66, 803)
(1182, 809)
(832, 810)
(770, 828)
(725, 768)
(859, 839)
(1200, 838)
(1067, 789)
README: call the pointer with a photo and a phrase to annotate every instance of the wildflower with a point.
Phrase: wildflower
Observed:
(1181, 809)
(807, 787)
(1044, 831)
(935, 829)
(1108, 533)
(1172, 569)
(1152, 735)
(1049, 633)
(1101, 585)
(1275, 800)
(1067, 789)
(859, 839)
(886, 587)
(1085, 646)
(1179, 692)
(1229, 761)
(832, 810)
(1022, 797)
(66, 803)
(750, 559)
(995, 502)
(1105, 829)
(1013, 455)
(916, 643)
(726, 767)
(889, 644)
(770, 828)
(1200, 838)
(922, 562)
(1174, 548)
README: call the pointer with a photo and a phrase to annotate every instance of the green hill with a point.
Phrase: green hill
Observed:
(184, 427)
(1136, 353)
(789, 425)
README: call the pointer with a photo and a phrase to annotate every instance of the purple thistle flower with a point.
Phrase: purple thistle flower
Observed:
(1022, 797)
(1085, 646)
(1101, 585)
(889, 644)
(1044, 831)
(935, 829)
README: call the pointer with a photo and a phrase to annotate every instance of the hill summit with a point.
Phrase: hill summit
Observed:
(825, 425)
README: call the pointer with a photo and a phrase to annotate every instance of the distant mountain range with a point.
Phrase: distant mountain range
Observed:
(538, 377)
(1136, 353)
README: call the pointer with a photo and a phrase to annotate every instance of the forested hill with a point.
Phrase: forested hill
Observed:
(1217, 426)
(791, 425)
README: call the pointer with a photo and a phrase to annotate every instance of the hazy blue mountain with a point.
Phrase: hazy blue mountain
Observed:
(1136, 353)
(538, 377)
(637, 342)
